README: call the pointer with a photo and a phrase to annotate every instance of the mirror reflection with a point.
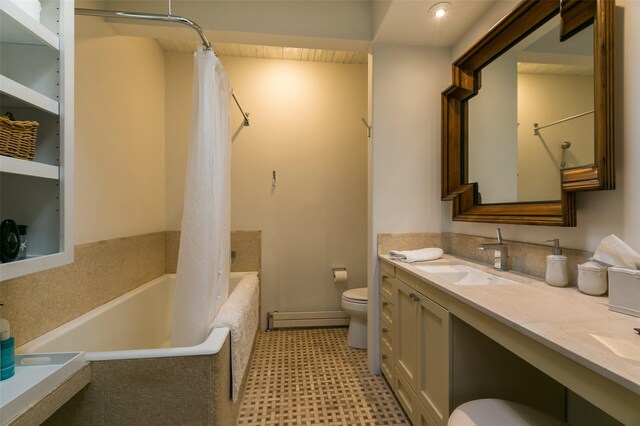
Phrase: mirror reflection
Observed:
(533, 117)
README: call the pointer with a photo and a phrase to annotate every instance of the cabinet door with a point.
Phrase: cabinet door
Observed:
(406, 332)
(433, 373)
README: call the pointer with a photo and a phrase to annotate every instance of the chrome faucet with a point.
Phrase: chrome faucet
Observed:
(501, 258)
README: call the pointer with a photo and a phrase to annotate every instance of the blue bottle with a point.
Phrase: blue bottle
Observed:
(7, 347)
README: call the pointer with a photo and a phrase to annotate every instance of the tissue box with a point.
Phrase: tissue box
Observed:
(624, 291)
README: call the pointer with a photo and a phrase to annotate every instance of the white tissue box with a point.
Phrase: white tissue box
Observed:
(624, 291)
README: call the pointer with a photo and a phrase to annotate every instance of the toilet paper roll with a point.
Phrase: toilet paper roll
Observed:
(340, 276)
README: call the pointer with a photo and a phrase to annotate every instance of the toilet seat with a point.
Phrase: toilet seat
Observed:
(355, 295)
(491, 411)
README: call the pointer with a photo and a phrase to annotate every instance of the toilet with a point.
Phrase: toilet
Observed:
(354, 303)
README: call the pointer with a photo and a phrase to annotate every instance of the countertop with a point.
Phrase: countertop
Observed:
(577, 325)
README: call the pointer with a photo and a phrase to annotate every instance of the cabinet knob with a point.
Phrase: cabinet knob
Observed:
(414, 297)
(385, 329)
(385, 356)
(385, 303)
(384, 277)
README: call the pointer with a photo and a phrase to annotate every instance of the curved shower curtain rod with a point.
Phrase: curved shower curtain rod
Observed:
(163, 18)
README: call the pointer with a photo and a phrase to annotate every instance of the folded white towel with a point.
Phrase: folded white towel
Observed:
(410, 256)
(240, 313)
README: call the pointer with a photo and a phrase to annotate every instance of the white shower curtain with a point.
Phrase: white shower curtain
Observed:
(202, 279)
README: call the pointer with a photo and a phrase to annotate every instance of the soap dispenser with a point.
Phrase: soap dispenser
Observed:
(557, 272)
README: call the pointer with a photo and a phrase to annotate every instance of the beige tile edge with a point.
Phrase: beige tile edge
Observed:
(525, 257)
(247, 245)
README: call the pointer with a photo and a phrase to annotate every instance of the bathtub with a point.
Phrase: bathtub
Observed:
(137, 378)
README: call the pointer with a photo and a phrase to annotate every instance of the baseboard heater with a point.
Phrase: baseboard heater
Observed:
(277, 319)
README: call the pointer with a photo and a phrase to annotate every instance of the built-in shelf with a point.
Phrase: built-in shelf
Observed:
(20, 28)
(36, 83)
(28, 168)
(33, 263)
(36, 377)
(28, 96)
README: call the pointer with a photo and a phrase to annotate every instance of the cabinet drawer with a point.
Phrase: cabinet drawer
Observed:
(387, 287)
(387, 311)
(387, 367)
(386, 335)
(387, 268)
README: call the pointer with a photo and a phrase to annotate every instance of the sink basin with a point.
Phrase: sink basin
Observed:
(464, 275)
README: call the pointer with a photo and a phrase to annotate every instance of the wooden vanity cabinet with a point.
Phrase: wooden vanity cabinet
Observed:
(420, 350)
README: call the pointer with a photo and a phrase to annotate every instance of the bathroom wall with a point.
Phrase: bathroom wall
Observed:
(603, 212)
(491, 136)
(404, 152)
(119, 134)
(119, 185)
(305, 125)
(545, 99)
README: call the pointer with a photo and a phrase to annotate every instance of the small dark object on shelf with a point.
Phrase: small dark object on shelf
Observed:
(9, 241)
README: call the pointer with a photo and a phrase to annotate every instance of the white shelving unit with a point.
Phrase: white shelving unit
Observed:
(36, 83)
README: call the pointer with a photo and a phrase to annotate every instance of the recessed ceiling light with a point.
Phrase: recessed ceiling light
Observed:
(440, 9)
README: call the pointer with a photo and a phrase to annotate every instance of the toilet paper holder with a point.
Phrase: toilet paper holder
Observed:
(339, 275)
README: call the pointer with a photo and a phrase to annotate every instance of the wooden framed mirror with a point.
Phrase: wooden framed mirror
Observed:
(529, 118)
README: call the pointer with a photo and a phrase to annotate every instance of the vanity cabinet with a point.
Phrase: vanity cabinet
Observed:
(36, 84)
(420, 346)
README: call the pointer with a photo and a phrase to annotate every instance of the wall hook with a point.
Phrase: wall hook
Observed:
(366, 124)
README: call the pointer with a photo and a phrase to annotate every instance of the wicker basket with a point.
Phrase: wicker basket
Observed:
(18, 138)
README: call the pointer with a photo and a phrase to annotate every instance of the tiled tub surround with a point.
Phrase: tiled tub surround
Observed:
(246, 245)
(38, 303)
(570, 336)
(189, 390)
(527, 258)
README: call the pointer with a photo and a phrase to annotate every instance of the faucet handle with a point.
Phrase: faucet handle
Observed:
(499, 234)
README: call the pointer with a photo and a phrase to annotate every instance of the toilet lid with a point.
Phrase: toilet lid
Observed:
(356, 295)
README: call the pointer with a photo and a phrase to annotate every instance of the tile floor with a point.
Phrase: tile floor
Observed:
(311, 377)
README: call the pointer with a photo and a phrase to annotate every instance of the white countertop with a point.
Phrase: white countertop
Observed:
(577, 325)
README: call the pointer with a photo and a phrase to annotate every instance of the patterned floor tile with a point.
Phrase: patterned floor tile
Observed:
(311, 377)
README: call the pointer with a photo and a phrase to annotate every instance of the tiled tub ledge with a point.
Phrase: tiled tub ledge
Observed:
(570, 336)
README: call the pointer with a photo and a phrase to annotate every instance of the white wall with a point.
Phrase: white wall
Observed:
(305, 125)
(119, 128)
(543, 99)
(603, 212)
(491, 135)
(405, 152)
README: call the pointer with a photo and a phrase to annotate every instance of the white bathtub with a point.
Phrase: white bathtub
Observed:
(135, 375)
(134, 325)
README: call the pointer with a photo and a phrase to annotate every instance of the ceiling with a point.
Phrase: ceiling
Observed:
(409, 21)
(309, 31)
(269, 52)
